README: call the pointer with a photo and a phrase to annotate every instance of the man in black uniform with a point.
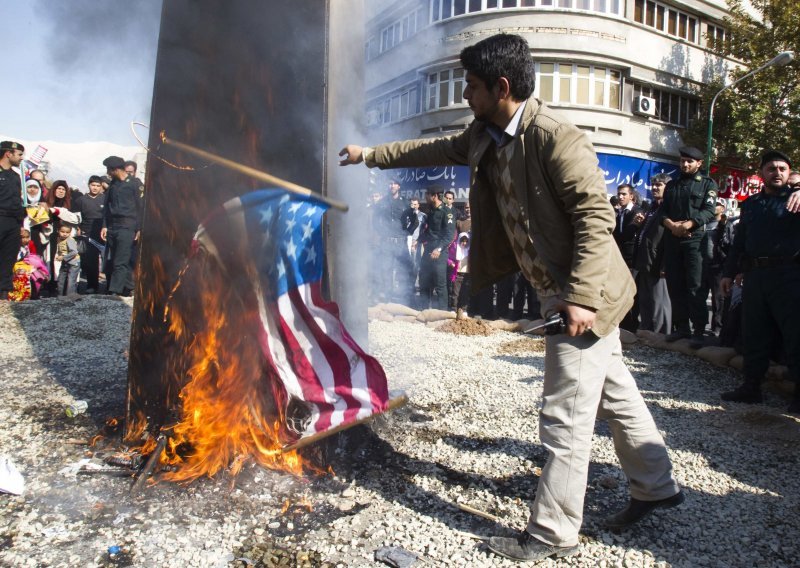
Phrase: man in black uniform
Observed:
(91, 207)
(11, 213)
(121, 223)
(688, 205)
(436, 237)
(766, 248)
(394, 269)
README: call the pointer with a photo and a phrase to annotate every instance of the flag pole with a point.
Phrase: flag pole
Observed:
(393, 404)
(252, 172)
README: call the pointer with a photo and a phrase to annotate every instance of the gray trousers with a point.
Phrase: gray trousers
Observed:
(585, 378)
(655, 308)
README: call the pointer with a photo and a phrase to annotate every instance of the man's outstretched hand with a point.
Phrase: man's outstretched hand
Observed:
(351, 154)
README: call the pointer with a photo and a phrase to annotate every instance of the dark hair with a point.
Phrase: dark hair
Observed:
(51, 195)
(624, 185)
(95, 179)
(660, 178)
(502, 55)
(451, 192)
(131, 163)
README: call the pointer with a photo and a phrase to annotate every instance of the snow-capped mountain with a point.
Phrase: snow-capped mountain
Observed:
(75, 162)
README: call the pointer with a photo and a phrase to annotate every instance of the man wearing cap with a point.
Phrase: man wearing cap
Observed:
(688, 205)
(121, 223)
(766, 248)
(11, 212)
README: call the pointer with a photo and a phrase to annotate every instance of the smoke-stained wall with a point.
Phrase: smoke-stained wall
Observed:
(245, 80)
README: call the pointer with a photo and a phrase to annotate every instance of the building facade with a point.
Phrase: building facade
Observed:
(627, 72)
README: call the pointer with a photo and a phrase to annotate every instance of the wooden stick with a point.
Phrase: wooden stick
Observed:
(394, 404)
(253, 173)
(477, 512)
(148, 467)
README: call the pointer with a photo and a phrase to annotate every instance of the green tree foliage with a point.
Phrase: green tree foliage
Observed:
(764, 110)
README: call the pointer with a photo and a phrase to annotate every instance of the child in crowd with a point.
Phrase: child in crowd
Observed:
(67, 256)
(30, 271)
(460, 275)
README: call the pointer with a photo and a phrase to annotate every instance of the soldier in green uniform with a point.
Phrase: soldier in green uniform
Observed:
(436, 236)
(688, 205)
(766, 249)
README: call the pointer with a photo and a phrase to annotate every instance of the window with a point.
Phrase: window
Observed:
(397, 31)
(717, 38)
(445, 88)
(589, 85)
(444, 9)
(671, 107)
(394, 107)
(666, 19)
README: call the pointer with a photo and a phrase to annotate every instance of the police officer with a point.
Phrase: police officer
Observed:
(766, 248)
(11, 213)
(436, 237)
(121, 224)
(688, 205)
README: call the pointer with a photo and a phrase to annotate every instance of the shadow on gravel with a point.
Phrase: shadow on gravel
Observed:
(373, 463)
(71, 339)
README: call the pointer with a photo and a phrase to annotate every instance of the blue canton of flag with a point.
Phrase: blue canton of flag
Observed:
(273, 240)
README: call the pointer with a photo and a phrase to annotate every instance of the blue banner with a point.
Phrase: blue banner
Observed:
(616, 170)
(635, 171)
(415, 181)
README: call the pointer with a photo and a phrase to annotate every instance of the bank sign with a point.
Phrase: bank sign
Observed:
(616, 170)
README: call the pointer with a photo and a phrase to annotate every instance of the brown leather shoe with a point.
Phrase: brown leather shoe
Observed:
(527, 548)
(638, 510)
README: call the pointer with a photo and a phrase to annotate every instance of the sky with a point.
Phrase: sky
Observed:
(84, 68)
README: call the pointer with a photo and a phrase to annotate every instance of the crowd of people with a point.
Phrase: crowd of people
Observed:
(680, 247)
(57, 240)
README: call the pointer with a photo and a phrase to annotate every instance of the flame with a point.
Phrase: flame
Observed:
(227, 413)
(299, 506)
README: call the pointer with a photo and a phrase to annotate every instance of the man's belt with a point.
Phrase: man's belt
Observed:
(751, 262)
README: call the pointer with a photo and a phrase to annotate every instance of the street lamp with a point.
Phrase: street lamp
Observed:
(782, 58)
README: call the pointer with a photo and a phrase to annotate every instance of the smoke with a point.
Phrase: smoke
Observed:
(102, 58)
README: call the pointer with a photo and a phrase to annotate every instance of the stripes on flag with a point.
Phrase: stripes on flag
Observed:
(274, 239)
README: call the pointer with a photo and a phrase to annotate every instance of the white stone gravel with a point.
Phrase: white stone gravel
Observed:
(468, 436)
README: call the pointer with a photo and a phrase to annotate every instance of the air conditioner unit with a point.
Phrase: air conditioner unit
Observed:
(645, 106)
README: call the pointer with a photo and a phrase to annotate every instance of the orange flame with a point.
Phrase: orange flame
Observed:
(227, 413)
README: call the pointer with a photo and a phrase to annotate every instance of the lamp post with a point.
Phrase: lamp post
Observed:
(782, 58)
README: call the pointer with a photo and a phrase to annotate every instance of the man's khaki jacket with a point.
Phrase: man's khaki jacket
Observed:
(556, 178)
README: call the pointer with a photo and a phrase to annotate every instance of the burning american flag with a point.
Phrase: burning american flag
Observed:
(273, 239)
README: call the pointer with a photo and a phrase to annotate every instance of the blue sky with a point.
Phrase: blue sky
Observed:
(84, 68)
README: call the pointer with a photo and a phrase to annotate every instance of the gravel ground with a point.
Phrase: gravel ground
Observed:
(468, 436)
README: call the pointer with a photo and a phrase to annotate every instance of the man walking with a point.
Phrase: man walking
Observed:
(766, 248)
(122, 217)
(688, 205)
(559, 235)
(11, 213)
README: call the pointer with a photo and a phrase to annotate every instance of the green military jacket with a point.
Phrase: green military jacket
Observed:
(690, 198)
(556, 178)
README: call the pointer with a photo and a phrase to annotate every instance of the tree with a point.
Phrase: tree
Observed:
(764, 110)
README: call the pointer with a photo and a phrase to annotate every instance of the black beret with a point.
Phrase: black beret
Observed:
(9, 145)
(691, 152)
(775, 156)
(114, 163)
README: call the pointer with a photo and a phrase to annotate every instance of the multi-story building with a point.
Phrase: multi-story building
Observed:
(627, 72)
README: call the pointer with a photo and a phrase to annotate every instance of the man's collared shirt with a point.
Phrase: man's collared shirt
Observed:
(503, 137)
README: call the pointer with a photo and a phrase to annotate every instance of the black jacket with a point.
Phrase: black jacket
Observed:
(626, 233)
(650, 244)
